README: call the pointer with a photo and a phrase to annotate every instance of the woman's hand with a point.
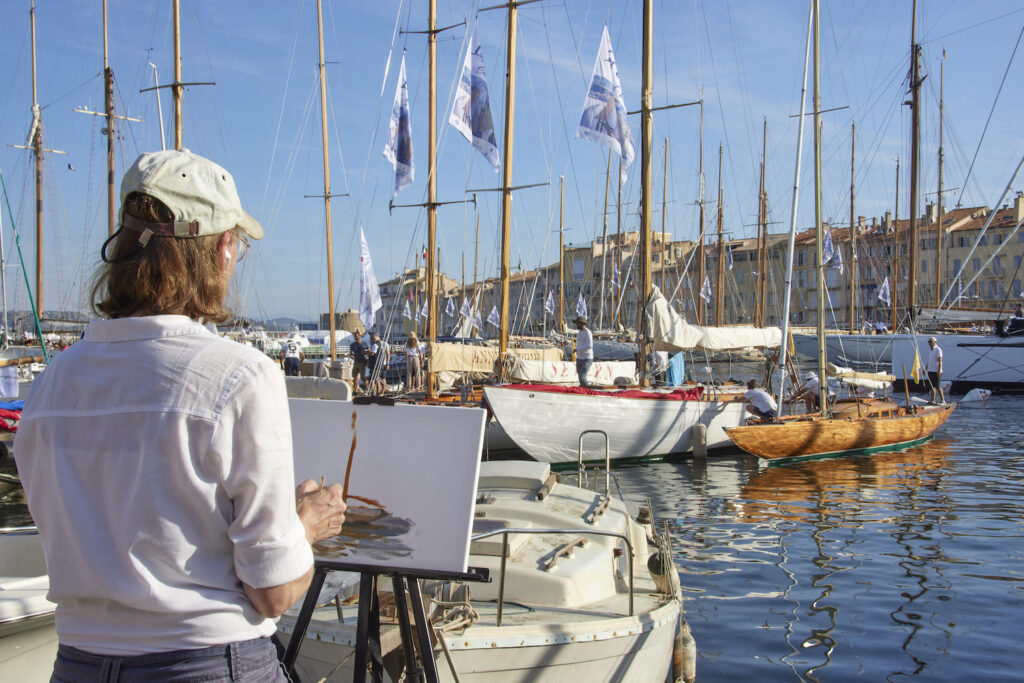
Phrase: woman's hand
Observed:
(321, 509)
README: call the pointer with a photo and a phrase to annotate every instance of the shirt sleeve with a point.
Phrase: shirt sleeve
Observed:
(268, 539)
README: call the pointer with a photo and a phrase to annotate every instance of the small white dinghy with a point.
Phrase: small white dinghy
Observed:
(588, 594)
(28, 638)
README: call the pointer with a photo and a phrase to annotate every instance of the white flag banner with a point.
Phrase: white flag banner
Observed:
(827, 250)
(398, 148)
(424, 312)
(449, 309)
(549, 305)
(476, 321)
(604, 118)
(615, 278)
(406, 312)
(728, 251)
(471, 110)
(837, 262)
(369, 292)
(465, 310)
(581, 306)
(884, 295)
(705, 290)
(493, 318)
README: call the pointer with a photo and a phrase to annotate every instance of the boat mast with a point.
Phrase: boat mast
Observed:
(506, 182)
(618, 241)
(604, 247)
(664, 205)
(818, 226)
(37, 148)
(561, 251)
(894, 269)
(853, 233)
(327, 165)
(762, 228)
(432, 258)
(700, 235)
(645, 185)
(108, 106)
(177, 87)
(721, 246)
(915, 128)
(788, 289)
(938, 200)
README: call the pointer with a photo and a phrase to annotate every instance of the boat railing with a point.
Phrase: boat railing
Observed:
(19, 531)
(581, 470)
(504, 554)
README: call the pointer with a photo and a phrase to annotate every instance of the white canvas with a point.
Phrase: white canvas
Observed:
(420, 463)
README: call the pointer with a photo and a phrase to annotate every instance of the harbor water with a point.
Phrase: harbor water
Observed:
(889, 567)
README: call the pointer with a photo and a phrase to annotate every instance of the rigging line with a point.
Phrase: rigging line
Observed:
(990, 112)
(974, 26)
(284, 98)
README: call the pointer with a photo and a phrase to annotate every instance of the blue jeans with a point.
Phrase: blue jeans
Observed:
(582, 368)
(250, 661)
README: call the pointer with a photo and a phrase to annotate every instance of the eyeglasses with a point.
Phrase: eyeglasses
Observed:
(241, 249)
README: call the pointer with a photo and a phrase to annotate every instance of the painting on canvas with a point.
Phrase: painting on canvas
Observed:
(411, 473)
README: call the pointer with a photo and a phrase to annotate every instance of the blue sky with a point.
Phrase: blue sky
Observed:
(262, 122)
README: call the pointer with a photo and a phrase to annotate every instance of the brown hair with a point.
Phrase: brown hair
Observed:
(167, 275)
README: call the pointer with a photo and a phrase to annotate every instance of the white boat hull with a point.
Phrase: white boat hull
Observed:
(547, 426)
(969, 361)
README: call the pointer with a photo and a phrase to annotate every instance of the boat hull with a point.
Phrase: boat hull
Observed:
(547, 425)
(822, 437)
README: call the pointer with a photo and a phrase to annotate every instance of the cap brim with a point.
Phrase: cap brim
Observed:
(251, 226)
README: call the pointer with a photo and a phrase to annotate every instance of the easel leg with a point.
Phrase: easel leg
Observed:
(416, 599)
(368, 632)
(413, 672)
(291, 653)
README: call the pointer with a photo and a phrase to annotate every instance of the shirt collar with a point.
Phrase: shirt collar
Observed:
(142, 327)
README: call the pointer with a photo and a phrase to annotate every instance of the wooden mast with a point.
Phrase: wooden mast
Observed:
(895, 268)
(432, 258)
(721, 246)
(506, 183)
(177, 87)
(915, 134)
(37, 147)
(818, 227)
(762, 228)
(938, 199)
(108, 105)
(645, 186)
(327, 165)
(664, 205)
(618, 239)
(853, 234)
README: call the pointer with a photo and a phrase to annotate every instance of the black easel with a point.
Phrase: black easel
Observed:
(368, 650)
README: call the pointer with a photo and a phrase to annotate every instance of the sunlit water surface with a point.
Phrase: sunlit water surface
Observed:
(887, 567)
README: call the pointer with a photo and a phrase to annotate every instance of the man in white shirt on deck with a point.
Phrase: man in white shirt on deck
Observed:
(584, 350)
(762, 404)
(935, 369)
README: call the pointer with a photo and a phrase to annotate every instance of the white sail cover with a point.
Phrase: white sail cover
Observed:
(671, 332)
(869, 380)
(564, 372)
(956, 315)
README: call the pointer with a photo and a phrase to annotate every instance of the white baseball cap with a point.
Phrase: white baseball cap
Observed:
(200, 194)
(811, 375)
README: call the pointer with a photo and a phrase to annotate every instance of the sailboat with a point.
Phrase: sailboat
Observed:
(876, 426)
(549, 422)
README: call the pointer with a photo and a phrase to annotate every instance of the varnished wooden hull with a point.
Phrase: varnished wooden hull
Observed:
(820, 437)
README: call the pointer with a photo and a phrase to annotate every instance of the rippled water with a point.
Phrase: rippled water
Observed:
(891, 567)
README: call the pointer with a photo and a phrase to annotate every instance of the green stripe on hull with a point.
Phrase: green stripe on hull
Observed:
(859, 451)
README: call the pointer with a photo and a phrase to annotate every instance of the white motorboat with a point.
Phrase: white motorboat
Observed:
(28, 637)
(546, 422)
(969, 361)
(576, 598)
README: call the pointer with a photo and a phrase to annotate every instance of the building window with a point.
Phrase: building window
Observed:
(577, 269)
(984, 241)
(956, 266)
(976, 262)
(997, 268)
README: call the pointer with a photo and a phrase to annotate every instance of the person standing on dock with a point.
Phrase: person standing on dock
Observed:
(293, 356)
(934, 369)
(359, 351)
(413, 364)
(156, 456)
(584, 349)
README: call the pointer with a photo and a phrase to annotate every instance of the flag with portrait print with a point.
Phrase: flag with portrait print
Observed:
(398, 148)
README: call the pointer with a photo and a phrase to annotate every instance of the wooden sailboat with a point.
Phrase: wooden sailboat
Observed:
(875, 426)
